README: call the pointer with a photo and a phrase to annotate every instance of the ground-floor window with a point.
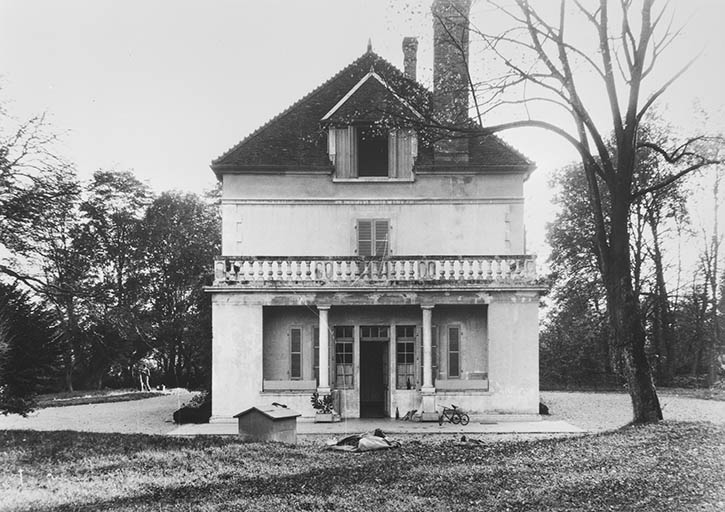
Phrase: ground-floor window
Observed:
(295, 353)
(454, 352)
(343, 356)
(316, 354)
(405, 357)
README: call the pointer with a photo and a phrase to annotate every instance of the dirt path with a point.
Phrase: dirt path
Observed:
(148, 416)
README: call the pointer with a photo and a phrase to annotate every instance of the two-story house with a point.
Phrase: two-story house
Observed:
(372, 252)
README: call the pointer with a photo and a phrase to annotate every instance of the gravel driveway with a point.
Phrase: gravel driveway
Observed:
(590, 411)
(147, 416)
(606, 411)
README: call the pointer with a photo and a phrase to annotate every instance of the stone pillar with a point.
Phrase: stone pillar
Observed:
(427, 390)
(324, 342)
(427, 348)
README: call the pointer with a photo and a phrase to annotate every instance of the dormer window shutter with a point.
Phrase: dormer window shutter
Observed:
(402, 151)
(341, 148)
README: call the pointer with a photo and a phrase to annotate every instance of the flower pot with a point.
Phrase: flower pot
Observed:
(329, 417)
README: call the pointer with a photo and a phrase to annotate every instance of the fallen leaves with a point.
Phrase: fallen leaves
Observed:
(670, 466)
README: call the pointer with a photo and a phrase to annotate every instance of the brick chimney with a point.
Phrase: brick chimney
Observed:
(450, 76)
(410, 56)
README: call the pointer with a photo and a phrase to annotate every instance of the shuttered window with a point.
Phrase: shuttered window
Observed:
(454, 352)
(316, 355)
(373, 237)
(295, 353)
(360, 151)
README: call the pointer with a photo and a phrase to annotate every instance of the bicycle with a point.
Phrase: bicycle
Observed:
(453, 414)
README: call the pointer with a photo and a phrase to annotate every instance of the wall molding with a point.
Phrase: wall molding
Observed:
(389, 201)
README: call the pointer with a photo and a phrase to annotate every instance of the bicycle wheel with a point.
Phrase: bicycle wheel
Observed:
(465, 419)
(455, 418)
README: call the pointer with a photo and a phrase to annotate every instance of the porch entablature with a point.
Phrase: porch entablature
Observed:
(363, 272)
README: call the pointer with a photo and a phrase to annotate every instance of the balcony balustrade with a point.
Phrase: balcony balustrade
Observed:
(292, 271)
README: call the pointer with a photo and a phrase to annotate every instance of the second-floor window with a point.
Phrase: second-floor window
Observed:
(373, 237)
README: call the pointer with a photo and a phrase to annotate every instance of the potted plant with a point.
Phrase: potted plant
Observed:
(324, 407)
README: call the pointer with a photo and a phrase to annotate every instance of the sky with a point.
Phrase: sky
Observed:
(162, 87)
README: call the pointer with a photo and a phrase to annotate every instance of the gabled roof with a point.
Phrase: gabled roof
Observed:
(368, 100)
(297, 137)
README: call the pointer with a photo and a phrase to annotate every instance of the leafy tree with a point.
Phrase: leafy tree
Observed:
(179, 238)
(30, 350)
(112, 213)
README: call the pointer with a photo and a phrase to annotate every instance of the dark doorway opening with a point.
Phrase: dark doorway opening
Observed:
(372, 148)
(373, 378)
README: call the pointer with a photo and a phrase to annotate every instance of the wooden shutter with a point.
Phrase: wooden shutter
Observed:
(344, 151)
(454, 352)
(296, 353)
(393, 154)
(365, 237)
(402, 152)
(381, 233)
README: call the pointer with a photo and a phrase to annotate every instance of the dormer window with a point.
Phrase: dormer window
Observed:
(372, 152)
(361, 143)
(367, 151)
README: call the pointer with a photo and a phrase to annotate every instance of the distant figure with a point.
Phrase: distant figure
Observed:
(144, 376)
(143, 372)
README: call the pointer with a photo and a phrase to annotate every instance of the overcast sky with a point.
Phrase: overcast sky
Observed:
(161, 87)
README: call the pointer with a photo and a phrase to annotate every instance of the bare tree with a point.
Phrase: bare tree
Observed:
(543, 65)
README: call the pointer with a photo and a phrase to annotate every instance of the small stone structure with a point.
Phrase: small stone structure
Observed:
(269, 424)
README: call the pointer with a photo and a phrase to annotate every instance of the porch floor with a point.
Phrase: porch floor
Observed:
(391, 426)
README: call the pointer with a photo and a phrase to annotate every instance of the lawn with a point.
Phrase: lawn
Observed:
(105, 396)
(670, 466)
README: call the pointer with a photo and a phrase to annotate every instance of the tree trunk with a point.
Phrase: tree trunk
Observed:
(628, 335)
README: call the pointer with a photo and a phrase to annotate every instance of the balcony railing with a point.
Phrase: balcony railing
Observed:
(359, 271)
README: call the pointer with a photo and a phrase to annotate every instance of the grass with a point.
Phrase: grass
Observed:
(670, 466)
(66, 398)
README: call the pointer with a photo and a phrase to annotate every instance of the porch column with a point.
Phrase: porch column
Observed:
(324, 343)
(428, 410)
(427, 348)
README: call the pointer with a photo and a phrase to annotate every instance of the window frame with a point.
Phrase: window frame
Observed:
(374, 241)
(316, 354)
(347, 367)
(410, 342)
(450, 353)
(292, 352)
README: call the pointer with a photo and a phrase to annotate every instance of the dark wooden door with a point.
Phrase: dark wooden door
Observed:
(372, 378)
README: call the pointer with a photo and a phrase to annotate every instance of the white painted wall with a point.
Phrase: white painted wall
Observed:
(236, 355)
(312, 216)
(329, 229)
